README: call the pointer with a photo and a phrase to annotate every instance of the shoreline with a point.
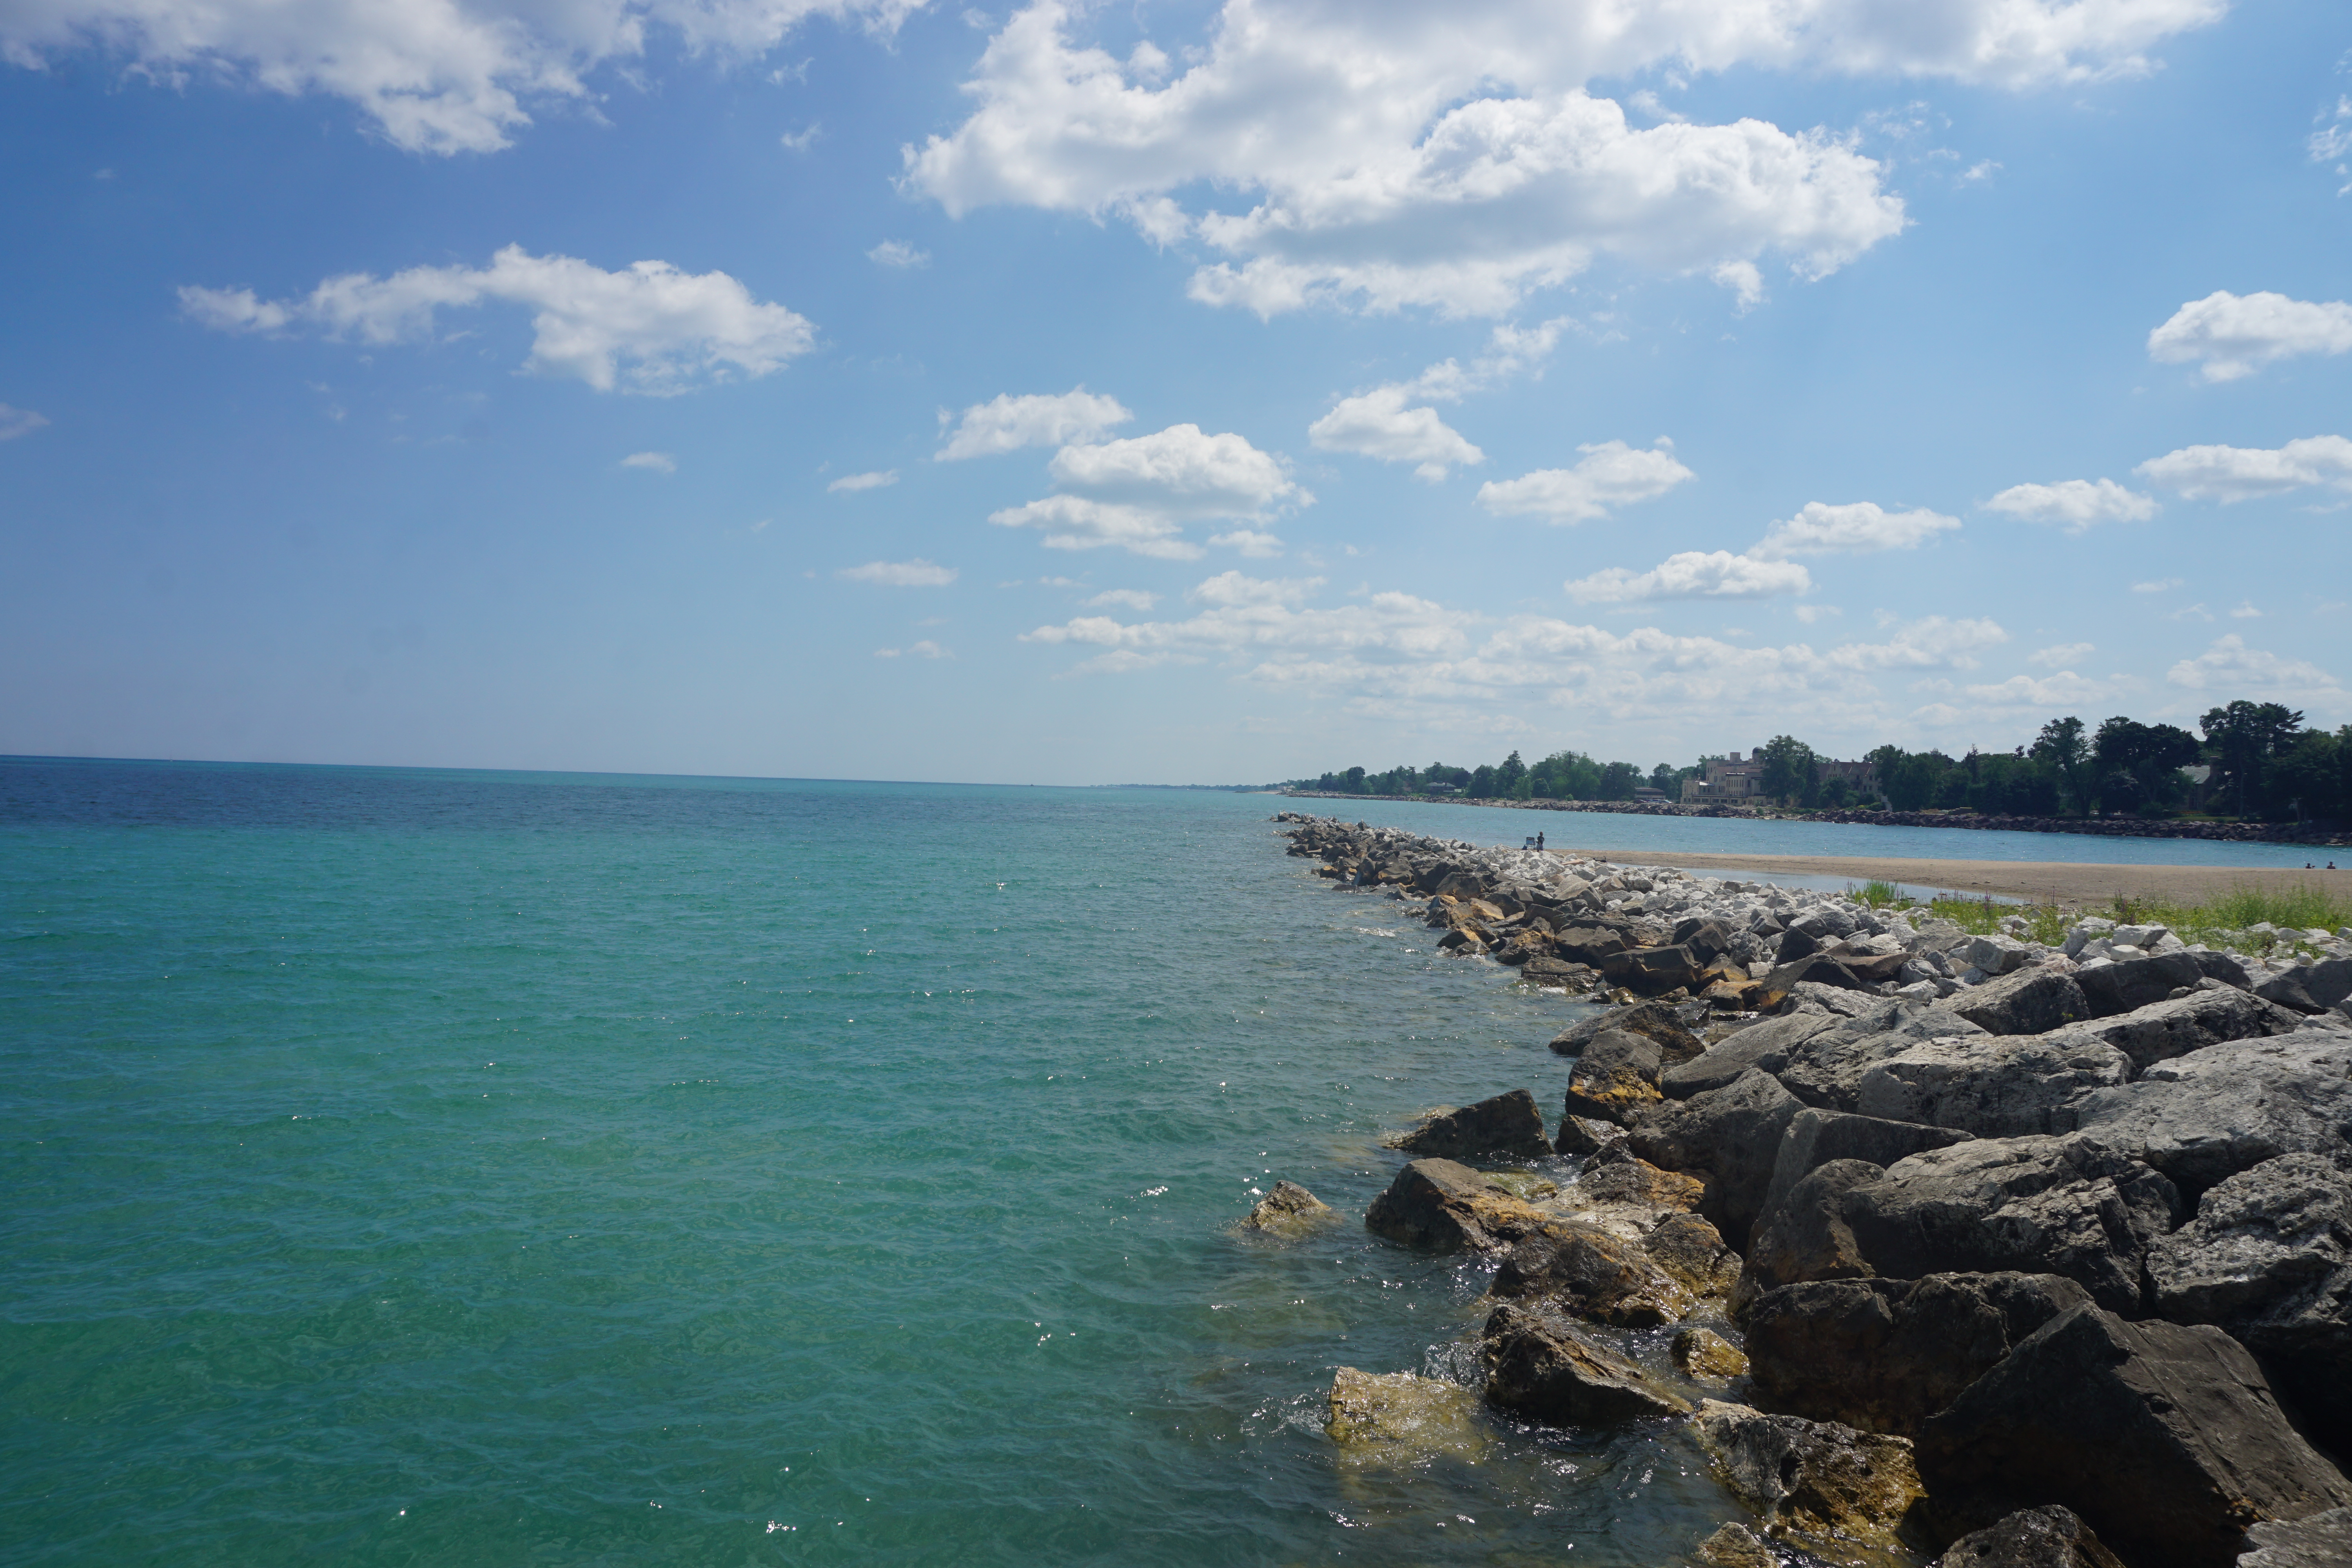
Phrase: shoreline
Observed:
(2038, 881)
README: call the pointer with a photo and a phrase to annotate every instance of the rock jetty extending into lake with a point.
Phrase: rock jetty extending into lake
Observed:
(1934, 1242)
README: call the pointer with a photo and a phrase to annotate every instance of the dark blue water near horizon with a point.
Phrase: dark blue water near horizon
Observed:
(432, 1167)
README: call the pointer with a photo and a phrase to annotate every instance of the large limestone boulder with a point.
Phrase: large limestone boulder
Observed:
(1290, 1210)
(1733, 1133)
(1448, 1208)
(1509, 1125)
(2202, 1118)
(1539, 1366)
(2321, 1541)
(1621, 1192)
(2132, 983)
(1616, 1075)
(2034, 1206)
(1764, 1044)
(1655, 1020)
(2050, 1536)
(1995, 1086)
(1807, 1235)
(1814, 1138)
(1827, 1070)
(1822, 1484)
(2179, 1024)
(1589, 1273)
(1693, 1254)
(1883, 1355)
(2025, 1002)
(2167, 1440)
(2269, 1258)
(1400, 1418)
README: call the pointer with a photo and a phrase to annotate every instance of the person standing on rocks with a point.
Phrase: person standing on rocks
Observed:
(1539, 843)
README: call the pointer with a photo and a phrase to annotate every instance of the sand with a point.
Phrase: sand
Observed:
(2040, 881)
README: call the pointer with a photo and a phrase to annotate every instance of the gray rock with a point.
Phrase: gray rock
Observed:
(2269, 1259)
(1995, 1086)
(1764, 1044)
(1733, 1133)
(1818, 1480)
(1539, 1366)
(1616, 1075)
(1586, 1135)
(2165, 1439)
(1657, 1020)
(1449, 1207)
(2048, 1537)
(1807, 1236)
(2023, 1002)
(2320, 1540)
(1589, 1273)
(1883, 1355)
(2286, 990)
(1737, 1546)
(1814, 1138)
(1827, 1070)
(2209, 1015)
(1995, 954)
(1694, 1254)
(2034, 1206)
(2132, 983)
(2328, 982)
(2202, 1118)
(1288, 1210)
(1508, 1124)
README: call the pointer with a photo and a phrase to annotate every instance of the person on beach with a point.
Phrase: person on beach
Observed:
(2331, 865)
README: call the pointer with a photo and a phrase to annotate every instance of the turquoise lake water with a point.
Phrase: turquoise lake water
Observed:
(431, 1167)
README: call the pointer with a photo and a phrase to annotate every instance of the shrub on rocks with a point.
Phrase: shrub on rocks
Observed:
(1508, 1124)
(2167, 1440)
(1883, 1355)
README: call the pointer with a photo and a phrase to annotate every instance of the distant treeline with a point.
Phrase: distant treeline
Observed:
(2259, 762)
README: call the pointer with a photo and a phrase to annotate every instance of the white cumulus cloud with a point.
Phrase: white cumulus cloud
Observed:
(1007, 424)
(2230, 668)
(2074, 504)
(1611, 474)
(1378, 423)
(915, 574)
(2063, 690)
(878, 479)
(653, 462)
(430, 76)
(1137, 493)
(1693, 574)
(1125, 598)
(648, 328)
(2062, 654)
(1858, 527)
(2156, 585)
(898, 254)
(15, 422)
(1932, 642)
(1249, 542)
(924, 650)
(2236, 335)
(2230, 474)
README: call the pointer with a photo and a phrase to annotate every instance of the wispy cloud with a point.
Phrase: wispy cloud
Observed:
(654, 462)
(876, 480)
(15, 422)
(915, 574)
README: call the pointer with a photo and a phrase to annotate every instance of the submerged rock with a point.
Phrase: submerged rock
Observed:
(1816, 1480)
(1736, 1546)
(2033, 1538)
(2166, 1439)
(1539, 1366)
(1288, 1210)
(1400, 1417)
(1449, 1207)
(1507, 1125)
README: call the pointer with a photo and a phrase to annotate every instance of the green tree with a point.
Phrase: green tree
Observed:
(2309, 780)
(1618, 781)
(2062, 746)
(2242, 738)
(1508, 775)
(2137, 765)
(1482, 782)
(1789, 771)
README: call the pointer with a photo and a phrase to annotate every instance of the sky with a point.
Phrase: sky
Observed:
(1164, 392)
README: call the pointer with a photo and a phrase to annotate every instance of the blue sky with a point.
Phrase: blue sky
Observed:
(1164, 392)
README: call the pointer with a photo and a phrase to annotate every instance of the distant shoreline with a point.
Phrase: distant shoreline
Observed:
(2038, 881)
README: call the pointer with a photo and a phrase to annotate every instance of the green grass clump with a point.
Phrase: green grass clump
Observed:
(2222, 921)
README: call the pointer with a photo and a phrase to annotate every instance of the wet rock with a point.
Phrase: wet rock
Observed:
(1705, 1354)
(1764, 1044)
(2026, 1001)
(1736, 1546)
(1655, 1020)
(1541, 1367)
(2048, 1537)
(1993, 1086)
(1627, 1194)
(2133, 982)
(1693, 1253)
(2167, 1440)
(2269, 1259)
(1807, 1236)
(2202, 1118)
(1814, 1480)
(1401, 1418)
(1589, 1273)
(1883, 1355)
(2033, 1205)
(1616, 1076)
(2179, 1024)
(1288, 1210)
(1733, 1133)
(1509, 1125)
(1448, 1208)
(1587, 1135)
(2321, 1541)
(1814, 1138)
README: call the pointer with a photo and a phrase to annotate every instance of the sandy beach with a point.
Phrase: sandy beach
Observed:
(2040, 881)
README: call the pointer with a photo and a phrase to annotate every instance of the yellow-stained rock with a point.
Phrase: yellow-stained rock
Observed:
(1703, 1354)
(1401, 1418)
(1843, 1493)
(1736, 1546)
(1692, 1253)
(1288, 1210)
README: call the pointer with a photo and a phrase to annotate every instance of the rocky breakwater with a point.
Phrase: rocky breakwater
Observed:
(2037, 1256)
